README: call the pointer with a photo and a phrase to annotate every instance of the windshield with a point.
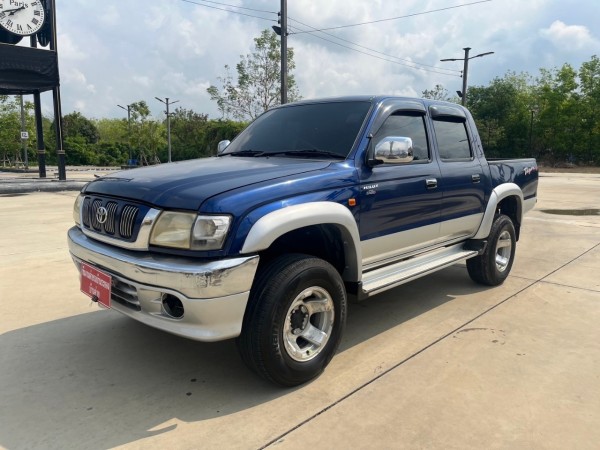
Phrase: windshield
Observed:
(306, 130)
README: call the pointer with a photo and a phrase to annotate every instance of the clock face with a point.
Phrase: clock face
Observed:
(22, 17)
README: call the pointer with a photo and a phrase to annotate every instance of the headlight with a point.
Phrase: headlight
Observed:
(190, 231)
(209, 232)
(77, 209)
(173, 229)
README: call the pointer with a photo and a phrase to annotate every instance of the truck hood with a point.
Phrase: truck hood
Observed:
(186, 185)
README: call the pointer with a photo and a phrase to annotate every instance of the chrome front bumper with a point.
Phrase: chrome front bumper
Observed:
(213, 293)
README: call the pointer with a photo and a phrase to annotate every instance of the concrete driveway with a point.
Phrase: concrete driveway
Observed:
(437, 363)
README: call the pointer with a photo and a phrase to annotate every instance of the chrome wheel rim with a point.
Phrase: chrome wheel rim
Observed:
(503, 251)
(308, 324)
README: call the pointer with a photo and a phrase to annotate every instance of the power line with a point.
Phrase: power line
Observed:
(231, 11)
(414, 66)
(374, 51)
(237, 7)
(396, 18)
(394, 60)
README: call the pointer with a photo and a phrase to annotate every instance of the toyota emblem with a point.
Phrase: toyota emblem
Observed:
(101, 215)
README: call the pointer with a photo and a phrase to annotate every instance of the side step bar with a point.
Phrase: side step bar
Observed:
(388, 277)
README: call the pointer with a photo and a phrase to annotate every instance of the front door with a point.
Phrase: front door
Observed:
(400, 203)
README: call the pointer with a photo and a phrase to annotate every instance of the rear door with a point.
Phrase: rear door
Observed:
(463, 181)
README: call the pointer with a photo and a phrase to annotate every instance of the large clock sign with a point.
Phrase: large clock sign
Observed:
(22, 17)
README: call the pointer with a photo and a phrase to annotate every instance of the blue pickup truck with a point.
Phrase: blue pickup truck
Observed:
(314, 204)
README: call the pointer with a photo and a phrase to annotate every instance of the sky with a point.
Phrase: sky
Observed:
(121, 51)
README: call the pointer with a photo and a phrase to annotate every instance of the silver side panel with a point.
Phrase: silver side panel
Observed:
(394, 245)
(277, 223)
(461, 228)
(407, 243)
(498, 194)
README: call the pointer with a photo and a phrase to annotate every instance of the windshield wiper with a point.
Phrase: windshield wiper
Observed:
(313, 152)
(247, 152)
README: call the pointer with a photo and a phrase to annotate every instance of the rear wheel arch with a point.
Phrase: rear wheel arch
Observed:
(506, 199)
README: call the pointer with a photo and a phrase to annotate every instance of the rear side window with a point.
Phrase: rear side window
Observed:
(406, 125)
(452, 139)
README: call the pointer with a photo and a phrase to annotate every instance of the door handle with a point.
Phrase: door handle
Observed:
(476, 178)
(431, 183)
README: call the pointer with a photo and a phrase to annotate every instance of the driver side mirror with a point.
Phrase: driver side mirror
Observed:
(222, 146)
(394, 150)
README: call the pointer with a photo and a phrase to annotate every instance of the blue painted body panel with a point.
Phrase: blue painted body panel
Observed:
(247, 188)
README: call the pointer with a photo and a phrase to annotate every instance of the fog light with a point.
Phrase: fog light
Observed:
(172, 306)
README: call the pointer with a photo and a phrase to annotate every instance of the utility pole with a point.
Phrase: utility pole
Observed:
(282, 31)
(466, 59)
(167, 103)
(128, 109)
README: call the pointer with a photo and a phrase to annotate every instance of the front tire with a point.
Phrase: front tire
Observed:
(493, 266)
(294, 320)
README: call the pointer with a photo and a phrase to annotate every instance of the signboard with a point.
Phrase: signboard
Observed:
(24, 135)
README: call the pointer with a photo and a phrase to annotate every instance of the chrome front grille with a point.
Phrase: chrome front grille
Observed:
(122, 219)
(109, 225)
(128, 216)
(96, 204)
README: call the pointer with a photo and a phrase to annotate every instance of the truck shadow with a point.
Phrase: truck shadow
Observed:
(99, 380)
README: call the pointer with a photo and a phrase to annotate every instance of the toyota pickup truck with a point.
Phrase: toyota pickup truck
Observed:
(314, 204)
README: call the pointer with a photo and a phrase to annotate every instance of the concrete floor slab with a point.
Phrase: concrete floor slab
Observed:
(524, 376)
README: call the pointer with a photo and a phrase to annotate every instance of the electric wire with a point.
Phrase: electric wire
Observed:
(396, 18)
(414, 66)
(231, 11)
(238, 7)
(394, 60)
(373, 50)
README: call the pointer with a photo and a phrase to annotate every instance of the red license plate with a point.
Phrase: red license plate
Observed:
(95, 284)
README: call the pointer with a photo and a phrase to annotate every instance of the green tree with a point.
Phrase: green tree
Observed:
(147, 134)
(439, 92)
(589, 76)
(257, 87)
(559, 113)
(10, 129)
(112, 130)
(76, 125)
(187, 133)
(501, 111)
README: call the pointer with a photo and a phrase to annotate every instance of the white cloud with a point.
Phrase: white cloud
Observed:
(69, 50)
(110, 15)
(142, 80)
(569, 36)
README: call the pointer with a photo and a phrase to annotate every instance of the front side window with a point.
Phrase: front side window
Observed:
(452, 140)
(406, 125)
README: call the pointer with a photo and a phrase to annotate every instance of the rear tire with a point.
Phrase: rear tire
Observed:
(294, 320)
(493, 266)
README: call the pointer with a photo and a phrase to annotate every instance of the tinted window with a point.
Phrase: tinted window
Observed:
(412, 126)
(331, 127)
(452, 140)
